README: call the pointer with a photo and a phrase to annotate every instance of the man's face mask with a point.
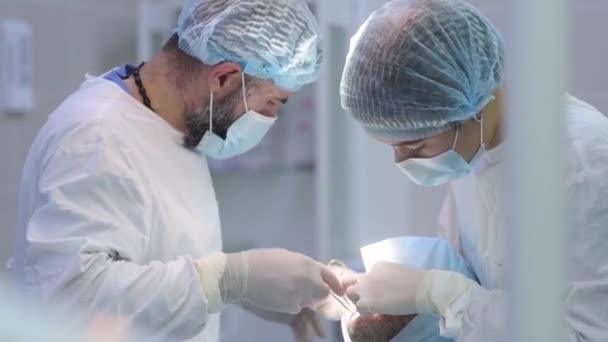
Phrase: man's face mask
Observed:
(242, 135)
(442, 168)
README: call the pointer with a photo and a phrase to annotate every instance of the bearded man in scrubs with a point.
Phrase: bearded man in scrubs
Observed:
(117, 212)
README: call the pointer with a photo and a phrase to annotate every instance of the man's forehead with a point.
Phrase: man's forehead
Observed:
(271, 89)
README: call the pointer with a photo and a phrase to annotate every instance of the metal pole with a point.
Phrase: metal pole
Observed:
(536, 175)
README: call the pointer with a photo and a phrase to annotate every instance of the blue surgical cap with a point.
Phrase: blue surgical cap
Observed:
(271, 39)
(418, 68)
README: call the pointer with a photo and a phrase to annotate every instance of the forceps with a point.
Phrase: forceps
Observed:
(344, 301)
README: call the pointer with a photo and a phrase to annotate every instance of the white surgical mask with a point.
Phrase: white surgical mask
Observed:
(442, 168)
(243, 135)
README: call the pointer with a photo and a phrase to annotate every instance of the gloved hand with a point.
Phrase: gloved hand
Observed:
(271, 279)
(331, 308)
(388, 289)
(399, 290)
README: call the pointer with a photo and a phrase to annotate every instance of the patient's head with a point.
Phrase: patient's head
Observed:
(377, 328)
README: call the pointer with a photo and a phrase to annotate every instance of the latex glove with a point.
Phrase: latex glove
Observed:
(398, 290)
(388, 289)
(271, 279)
(331, 309)
(376, 328)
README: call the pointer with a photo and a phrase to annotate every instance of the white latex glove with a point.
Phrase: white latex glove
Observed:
(388, 289)
(398, 290)
(331, 309)
(271, 279)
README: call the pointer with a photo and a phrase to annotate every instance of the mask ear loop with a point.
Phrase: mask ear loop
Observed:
(344, 301)
(480, 120)
(482, 137)
(456, 138)
(244, 91)
(211, 113)
(481, 143)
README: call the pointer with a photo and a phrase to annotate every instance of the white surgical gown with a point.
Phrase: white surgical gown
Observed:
(479, 229)
(114, 212)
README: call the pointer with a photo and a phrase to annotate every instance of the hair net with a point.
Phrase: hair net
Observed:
(271, 39)
(417, 68)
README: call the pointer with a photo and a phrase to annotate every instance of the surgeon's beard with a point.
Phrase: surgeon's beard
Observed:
(197, 123)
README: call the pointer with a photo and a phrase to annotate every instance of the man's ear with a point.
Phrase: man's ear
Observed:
(224, 79)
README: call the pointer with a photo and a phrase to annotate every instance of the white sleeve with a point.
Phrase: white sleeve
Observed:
(87, 246)
(587, 294)
(479, 314)
(476, 315)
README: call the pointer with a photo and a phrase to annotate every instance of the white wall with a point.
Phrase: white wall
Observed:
(589, 46)
(590, 52)
(71, 37)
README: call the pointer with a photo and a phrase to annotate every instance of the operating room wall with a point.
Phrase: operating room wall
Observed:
(589, 48)
(70, 38)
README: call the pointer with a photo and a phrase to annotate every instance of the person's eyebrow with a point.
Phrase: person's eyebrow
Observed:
(411, 142)
(283, 100)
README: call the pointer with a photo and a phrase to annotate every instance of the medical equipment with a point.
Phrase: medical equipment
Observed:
(344, 301)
